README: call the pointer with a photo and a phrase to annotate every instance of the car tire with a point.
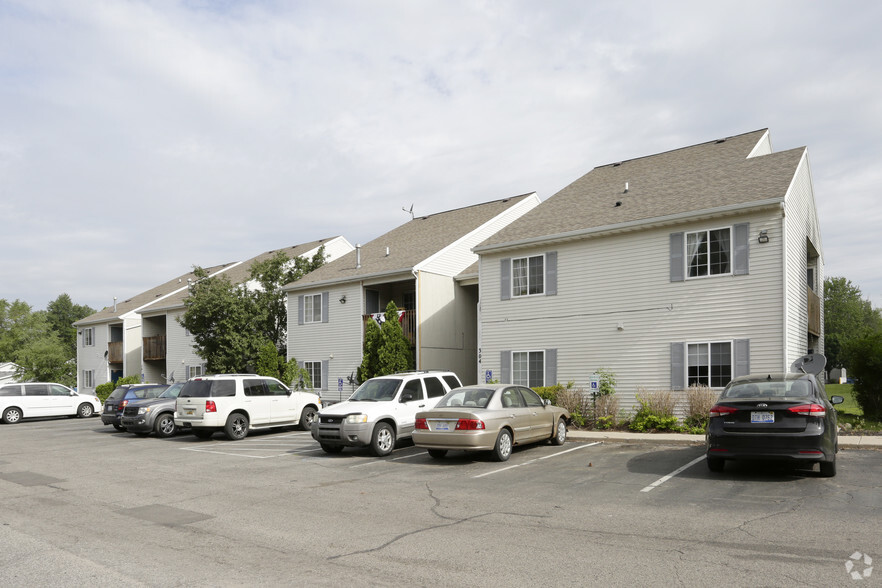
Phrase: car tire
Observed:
(11, 415)
(203, 433)
(236, 428)
(307, 417)
(383, 440)
(85, 410)
(560, 433)
(331, 448)
(164, 426)
(828, 468)
(502, 449)
(118, 427)
(716, 464)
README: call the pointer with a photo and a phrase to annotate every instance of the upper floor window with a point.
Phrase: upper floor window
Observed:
(312, 308)
(708, 253)
(88, 337)
(527, 275)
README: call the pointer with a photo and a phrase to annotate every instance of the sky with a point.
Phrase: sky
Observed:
(140, 138)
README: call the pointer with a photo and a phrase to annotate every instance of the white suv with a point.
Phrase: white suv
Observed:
(238, 403)
(381, 411)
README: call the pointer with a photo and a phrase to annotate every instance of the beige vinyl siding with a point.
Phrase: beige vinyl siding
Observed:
(625, 280)
(457, 256)
(341, 336)
(447, 326)
(801, 224)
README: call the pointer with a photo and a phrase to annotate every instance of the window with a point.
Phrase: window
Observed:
(531, 398)
(528, 275)
(314, 369)
(414, 388)
(276, 388)
(88, 337)
(528, 368)
(434, 387)
(709, 364)
(194, 371)
(36, 390)
(88, 378)
(312, 309)
(254, 388)
(708, 253)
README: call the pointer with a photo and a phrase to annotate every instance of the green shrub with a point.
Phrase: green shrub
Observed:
(647, 421)
(866, 368)
(102, 391)
(699, 401)
(551, 392)
(656, 411)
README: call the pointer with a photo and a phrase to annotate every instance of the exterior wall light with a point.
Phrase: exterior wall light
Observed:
(763, 237)
(343, 299)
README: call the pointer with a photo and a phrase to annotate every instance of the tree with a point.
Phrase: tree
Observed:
(61, 313)
(231, 324)
(47, 360)
(386, 350)
(19, 327)
(847, 316)
(865, 365)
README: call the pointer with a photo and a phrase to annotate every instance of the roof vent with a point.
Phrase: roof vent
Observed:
(618, 203)
(720, 141)
(617, 164)
(626, 187)
(358, 256)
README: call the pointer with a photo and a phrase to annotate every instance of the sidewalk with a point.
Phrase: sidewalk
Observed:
(849, 441)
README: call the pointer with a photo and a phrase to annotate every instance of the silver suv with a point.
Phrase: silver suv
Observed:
(238, 403)
(381, 411)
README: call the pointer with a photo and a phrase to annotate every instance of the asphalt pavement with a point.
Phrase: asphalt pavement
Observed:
(849, 441)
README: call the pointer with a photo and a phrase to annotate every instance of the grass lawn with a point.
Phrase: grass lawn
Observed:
(849, 411)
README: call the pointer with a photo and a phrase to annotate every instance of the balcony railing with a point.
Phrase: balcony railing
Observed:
(814, 313)
(154, 348)
(115, 352)
(408, 325)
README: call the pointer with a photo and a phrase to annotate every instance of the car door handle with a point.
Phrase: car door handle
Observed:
(422, 406)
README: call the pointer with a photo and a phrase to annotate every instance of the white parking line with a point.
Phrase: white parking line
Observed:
(376, 461)
(537, 459)
(664, 479)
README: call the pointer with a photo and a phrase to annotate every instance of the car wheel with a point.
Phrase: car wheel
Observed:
(502, 449)
(307, 417)
(203, 433)
(716, 464)
(118, 427)
(331, 448)
(236, 428)
(383, 440)
(164, 425)
(437, 453)
(560, 433)
(85, 411)
(11, 415)
(828, 468)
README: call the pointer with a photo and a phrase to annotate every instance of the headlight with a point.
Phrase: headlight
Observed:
(144, 410)
(356, 418)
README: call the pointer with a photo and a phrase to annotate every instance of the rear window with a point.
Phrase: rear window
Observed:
(467, 397)
(434, 387)
(770, 389)
(452, 381)
(117, 394)
(208, 389)
(10, 390)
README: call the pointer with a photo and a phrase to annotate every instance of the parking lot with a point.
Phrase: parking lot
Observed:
(83, 503)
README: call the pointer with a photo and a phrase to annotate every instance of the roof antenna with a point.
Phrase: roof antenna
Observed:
(410, 211)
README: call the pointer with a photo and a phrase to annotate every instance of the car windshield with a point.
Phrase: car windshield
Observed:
(172, 391)
(466, 397)
(770, 389)
(376, 390)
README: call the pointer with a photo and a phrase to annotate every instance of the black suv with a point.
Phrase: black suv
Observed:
(119, 398)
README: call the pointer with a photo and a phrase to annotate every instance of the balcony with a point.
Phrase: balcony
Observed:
(115, 352)
(408, 325)
(154, 348)
(814, 313)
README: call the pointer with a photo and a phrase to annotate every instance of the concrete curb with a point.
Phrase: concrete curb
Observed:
(849, 441)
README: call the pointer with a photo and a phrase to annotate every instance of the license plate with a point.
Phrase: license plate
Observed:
(442, 426)
(762, 417)
(190, 411)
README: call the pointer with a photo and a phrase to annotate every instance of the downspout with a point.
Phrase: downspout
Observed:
(786, 306)
(416, 319)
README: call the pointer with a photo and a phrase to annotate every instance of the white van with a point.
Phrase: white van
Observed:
(44, 399)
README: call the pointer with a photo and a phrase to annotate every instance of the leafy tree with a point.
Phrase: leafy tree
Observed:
(386, 350)
(47, 360)
(295, 376)
(61, 313)
(370, 360)
(865, 359)
(19, 327)
(270, 362)
(231, 324)
(847, 316)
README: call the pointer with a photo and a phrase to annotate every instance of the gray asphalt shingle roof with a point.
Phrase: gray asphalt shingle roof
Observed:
(411, 243)
(701, 177)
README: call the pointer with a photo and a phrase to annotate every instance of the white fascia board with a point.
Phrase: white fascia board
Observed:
(475, 235)
(634, 225)
(407, 272)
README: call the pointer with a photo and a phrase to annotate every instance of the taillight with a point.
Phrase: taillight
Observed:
(210, 406)
(123, 404)
(721, 410)
(421, 424)
(815, 410)
(469, 425)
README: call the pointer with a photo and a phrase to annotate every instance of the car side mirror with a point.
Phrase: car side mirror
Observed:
(836, 400)
(406, 396)
(547, 401)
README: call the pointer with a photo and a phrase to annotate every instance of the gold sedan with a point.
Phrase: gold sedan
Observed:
(492, 417)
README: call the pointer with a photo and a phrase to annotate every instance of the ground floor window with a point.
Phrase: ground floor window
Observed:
(709, 364)
(314, 369)
(194, 371)
(528, 368)
(88, 378)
